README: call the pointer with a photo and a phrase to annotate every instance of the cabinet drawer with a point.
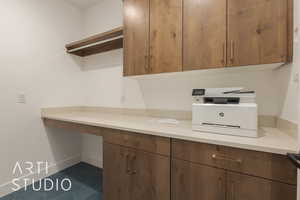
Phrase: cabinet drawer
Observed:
(261, 164)
(148, 143)
(272, 166)
(197, 152)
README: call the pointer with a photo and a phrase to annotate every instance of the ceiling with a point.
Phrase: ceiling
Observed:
(83, 3)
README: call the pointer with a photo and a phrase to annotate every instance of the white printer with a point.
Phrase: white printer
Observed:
(228, 111)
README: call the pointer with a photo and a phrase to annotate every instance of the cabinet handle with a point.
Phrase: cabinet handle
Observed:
(232, 48)
(150, 63)
(216, 157)
(128, 171)
(232, 191)
(224, 54)
(146, 66)
(134, 171)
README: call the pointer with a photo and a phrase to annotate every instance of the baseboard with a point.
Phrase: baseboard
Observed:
(92, 161)
(6, 188)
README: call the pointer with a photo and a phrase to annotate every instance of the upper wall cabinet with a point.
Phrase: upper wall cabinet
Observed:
(220, 33)
(136, 37)
(179, 35)
(165, 36)
(257, 32)
(152, 36)
(204, 38)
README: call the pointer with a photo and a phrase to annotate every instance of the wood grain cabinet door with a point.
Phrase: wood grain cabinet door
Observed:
(116, 182)
(204, 34)
(131, 174)
(150, 176)
(243, 187)
(136, 37)
(165, 36)
(197, 182)
(257, 32)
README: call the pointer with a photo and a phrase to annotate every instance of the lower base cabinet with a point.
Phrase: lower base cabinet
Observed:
(137, 167)
(144, 167)
(131, 174)
(192, 181)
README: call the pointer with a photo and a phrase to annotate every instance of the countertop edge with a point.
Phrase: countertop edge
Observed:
(187, 138)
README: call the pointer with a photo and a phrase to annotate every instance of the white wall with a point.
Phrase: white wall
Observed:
(33, 61)
(276, 92)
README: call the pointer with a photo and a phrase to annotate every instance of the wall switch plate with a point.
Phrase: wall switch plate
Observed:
(21, 98)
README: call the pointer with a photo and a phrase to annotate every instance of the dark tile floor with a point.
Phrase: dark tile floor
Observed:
(86, 185)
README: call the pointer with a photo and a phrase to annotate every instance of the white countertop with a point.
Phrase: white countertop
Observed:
(271, 140)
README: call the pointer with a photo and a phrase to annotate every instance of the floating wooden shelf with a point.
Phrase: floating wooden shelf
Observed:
(99, 43)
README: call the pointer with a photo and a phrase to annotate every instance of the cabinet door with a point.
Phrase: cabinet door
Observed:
(165, 36)
(243, 187)
(257, 32)
(204, 34)
(136, 37)
(151, 176)
(134, 175)
(116, 183)
(197, 182)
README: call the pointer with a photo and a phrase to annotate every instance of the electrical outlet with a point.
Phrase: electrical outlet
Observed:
(21, 98)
